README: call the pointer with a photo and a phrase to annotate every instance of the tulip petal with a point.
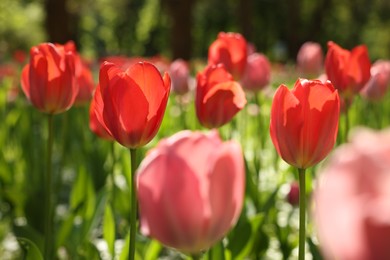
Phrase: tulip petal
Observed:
(165, 209)
(25, 81)
(125, 111)
(149, 80)
(227, 184)
(286, 124)
(222, 103)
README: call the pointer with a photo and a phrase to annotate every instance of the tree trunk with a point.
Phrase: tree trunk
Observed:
(181, 14)
(57, 22)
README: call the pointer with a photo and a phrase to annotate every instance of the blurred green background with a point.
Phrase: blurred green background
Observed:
(186, 28)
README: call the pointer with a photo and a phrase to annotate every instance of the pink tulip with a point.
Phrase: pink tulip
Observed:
(191, 190)
(310, 59)
(352, 207)
(377, 85)
(180, 73)
(257, 73)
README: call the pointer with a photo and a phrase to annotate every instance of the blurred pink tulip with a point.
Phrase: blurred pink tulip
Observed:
(352, 208)
(257, 73)
(377, 85)
(180, 73)
(191, 190)
(310, 59)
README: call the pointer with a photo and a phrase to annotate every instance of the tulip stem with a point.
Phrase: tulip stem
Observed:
(302, 213)
(133, 213)
(346, 125)
(49, 191)
(195, 256)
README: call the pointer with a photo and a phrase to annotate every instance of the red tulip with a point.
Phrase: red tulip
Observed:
(191, 190)
(293, 194)
(49, 80)
(352, 209)
(379, 82)
(131, 103)
(218, 97)
(230, 49)
(349, 71)
(94, 124)
(180, 73)
(310, 59)
(304, 122)
(86, 86)
(257, 73)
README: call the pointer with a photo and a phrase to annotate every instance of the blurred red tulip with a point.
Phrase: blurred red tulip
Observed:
(218, 97)
(94, 124)
(49, 80)
(230, 49)
(304, 122)
(310, 59)
(180, 73)
(293, 194)
(86, 86)
(352, 209)
(20, 56)
(257, 73)
(191, 190)
(348, 71)
(379, 82)
(131, 103)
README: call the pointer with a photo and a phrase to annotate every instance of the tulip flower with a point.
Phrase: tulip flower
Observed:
(94, 124)
(348, 70)
(86, 86)
(180, 73)
(230, 49)
(257, 73)
(379, 82)
(304, 124)
(49, 80)
(191, 202)
(133, 102)
(310, 59)
(293, 194)
(352, 210)
(218, 97)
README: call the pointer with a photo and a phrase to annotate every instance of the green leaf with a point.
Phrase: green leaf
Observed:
(30, 250)
(153, 250)
(109, 229)
(217, 252)
(315, 252)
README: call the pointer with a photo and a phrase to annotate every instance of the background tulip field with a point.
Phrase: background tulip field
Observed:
(92, 175)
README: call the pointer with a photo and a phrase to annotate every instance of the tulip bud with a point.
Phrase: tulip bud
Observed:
(304, 122)
(191, 202)
(310, 59)
(352, 210)
(218, 97)
(49, 80)
(230, 49)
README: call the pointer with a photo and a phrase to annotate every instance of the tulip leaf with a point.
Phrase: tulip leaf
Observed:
(30, 250)
(315, 252)
(109, 229)
(153, 250)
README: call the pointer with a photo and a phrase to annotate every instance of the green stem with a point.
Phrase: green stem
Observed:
(346, 125)
(112, 173)
(302, 213)
(49, 192)
(133, 213)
